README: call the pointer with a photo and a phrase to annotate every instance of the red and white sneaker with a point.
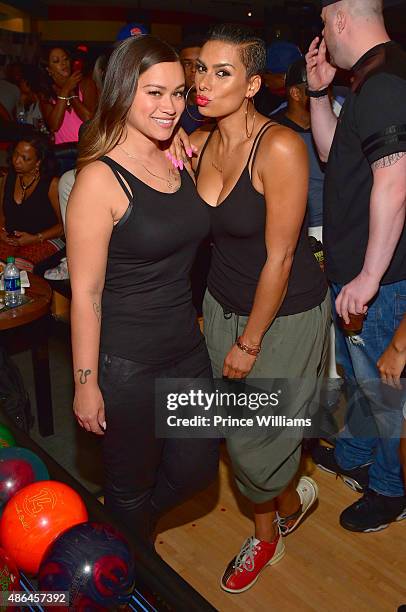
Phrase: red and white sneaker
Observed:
(243, 571)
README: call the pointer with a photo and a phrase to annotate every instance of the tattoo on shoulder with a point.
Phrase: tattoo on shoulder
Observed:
(83, 376)
(97, 311)
(387, 161)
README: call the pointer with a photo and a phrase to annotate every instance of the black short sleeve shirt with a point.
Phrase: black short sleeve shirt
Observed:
(372, 125)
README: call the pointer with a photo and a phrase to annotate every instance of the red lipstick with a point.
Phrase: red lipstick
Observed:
(202, 100)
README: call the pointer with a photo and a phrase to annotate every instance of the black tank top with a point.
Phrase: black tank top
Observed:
(239, 252)
(147, 310)
(35, 214)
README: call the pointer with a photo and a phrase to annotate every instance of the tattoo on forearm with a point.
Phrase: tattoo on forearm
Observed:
(83, 376)
(97, 310)
(387, 161)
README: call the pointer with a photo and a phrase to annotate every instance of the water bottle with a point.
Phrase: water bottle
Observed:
(20, 116)
(12, 288)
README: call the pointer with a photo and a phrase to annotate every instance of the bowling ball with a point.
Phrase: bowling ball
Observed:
(34, 517)
(19, 467)
(6, 437)
(9, 576)
(94, 563)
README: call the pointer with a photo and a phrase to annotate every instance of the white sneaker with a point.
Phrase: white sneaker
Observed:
(59, 273)
(308, 491)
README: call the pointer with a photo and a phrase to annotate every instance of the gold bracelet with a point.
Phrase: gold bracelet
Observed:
(40, 236)
(253, 351)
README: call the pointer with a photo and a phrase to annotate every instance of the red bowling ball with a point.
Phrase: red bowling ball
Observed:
(34, 517)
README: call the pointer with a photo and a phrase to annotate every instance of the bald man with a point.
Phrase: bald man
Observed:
(365, 243)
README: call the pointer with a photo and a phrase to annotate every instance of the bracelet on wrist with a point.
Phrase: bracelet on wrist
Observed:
(40, 237)
(317, 94)
(67, 99)
(250, 350)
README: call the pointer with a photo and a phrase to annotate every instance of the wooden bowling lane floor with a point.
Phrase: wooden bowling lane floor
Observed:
(326, 568)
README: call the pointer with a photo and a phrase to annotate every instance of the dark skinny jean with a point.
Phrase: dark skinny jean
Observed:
(146, 476)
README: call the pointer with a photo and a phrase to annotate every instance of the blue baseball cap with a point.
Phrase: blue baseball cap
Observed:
(132, 29)
(280, 55)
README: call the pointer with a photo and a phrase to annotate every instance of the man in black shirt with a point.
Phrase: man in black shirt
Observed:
(364, 238)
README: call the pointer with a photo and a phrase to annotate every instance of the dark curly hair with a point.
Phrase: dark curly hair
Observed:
(252, 48)
(43, 151)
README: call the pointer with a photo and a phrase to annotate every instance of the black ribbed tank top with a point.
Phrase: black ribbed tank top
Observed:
(147, 310)
(239, 251)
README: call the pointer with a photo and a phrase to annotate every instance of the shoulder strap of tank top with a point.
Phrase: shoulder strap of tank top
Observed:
(257, 142)
(113, 165)
(203, 150)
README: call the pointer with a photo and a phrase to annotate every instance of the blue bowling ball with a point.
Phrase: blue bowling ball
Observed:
(18, 467)
(93, 562)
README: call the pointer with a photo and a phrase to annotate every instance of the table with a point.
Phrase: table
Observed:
(164, 589)
(33, 315)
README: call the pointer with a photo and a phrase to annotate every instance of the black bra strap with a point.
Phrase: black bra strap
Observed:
(257, 142)
(116, 172)
(203, 150)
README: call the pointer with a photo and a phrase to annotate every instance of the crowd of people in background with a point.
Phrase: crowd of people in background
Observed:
(280, 151)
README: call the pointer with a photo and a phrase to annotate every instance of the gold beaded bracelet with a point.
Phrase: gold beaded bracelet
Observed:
(253, 351)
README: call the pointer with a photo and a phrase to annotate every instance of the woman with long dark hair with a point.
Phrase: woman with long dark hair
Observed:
(30, 218)
(71, 98)
(266, 310)
(133, 227)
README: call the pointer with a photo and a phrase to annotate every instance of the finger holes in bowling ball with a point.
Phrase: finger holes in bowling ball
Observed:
(93, 562)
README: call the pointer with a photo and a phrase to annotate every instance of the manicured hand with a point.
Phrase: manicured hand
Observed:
(181, 150)
(88, 406)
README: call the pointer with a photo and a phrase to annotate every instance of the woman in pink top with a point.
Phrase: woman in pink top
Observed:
(72, 99)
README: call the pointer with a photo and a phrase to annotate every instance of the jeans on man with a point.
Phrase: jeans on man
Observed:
(374, 416)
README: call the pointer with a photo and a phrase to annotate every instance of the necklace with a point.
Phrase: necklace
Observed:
(172, 182)
(225, 158)
(25, 187)
(217, 167)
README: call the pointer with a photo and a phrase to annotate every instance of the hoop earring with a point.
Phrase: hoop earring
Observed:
(188, 111)
(253, 117)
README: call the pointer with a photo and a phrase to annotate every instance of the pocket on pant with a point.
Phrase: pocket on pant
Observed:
(105, 372)
(400, 309)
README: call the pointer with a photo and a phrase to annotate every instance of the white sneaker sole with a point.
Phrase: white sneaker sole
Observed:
(275, 559)
(401, 517)
(313, 485)
(350, 482)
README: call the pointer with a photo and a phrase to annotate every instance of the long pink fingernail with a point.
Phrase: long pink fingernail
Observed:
(189, 152)
(181, 165)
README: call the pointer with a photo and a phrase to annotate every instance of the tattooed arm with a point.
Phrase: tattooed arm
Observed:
(89, 226)
(386, 222)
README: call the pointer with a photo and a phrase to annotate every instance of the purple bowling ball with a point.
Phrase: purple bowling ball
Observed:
(93, 562)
